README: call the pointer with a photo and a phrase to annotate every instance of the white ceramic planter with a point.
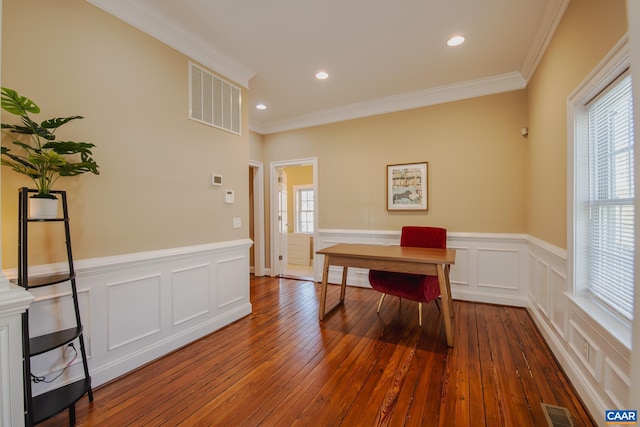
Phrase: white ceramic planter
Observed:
(40, 208)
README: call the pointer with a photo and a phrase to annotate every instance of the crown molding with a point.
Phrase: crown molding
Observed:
(146, 19)
(552, 15)
(422, 98)
(160, 27)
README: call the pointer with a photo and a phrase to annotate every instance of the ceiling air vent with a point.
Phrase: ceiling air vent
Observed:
(212, 100)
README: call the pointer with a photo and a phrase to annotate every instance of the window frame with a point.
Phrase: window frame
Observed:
(603, 75)
(611, 202)
(296, 207)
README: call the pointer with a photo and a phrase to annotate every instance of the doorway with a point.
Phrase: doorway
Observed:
(256, 219)
(294, 218)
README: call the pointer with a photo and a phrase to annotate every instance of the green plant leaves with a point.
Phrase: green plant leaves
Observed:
(56, 122)
(69, 147)
(41, 157)
(13, 103)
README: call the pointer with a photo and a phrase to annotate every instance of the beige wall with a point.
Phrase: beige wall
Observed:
(153, 191)
(589, 29)
(255, 147)
(474, 150)
(483, 176)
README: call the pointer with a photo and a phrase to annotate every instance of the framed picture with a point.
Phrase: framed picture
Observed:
(407, 187)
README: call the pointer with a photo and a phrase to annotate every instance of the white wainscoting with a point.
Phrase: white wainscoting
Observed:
(489, 268)
(13, 302)
(138, 307)
(596, 362)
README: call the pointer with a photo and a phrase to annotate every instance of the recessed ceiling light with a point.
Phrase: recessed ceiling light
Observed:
(455, 41)
(321, 75)
(261, 107)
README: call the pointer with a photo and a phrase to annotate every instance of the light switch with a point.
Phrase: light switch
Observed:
(237, 222)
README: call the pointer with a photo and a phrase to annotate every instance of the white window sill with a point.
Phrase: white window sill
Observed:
(615, 327)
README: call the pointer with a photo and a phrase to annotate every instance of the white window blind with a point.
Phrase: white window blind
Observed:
(213, 101)
(611, 213)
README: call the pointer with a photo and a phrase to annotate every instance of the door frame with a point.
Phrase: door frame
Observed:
(273, 202)
(258, 218)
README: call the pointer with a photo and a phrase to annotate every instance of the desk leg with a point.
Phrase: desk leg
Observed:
(345, 269)
(447, 302)
(323, 289)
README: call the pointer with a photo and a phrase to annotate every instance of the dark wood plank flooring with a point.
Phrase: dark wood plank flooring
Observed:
(280, 366)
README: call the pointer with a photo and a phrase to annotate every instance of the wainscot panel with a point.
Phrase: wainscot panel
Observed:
(138, 307)
(596, 361)
(190, 293)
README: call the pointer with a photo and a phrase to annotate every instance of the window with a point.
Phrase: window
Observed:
(604, 193)
(304, 208)
(610, 227)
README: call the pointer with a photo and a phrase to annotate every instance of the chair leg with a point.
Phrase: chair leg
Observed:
(420, 314)
(438, 304)
(380, 302)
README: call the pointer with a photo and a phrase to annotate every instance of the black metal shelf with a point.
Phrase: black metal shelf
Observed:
(47, 219)
(48, 404)
(43, 343)
(44, 406)
(53, 279)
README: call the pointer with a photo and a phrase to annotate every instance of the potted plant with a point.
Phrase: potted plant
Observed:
(39, 154)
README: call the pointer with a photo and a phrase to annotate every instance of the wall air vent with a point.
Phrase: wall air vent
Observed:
(213, 101)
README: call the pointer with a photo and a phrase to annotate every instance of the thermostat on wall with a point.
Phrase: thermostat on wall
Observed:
(216, 179)
(229, 196)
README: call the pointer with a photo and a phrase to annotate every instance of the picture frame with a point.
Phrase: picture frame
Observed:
(407, 188)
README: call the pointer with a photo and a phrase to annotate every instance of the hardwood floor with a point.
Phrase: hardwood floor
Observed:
(280, 366)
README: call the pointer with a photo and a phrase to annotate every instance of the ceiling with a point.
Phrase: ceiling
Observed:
(381, 56)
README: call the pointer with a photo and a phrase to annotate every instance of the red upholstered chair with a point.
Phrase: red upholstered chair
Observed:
(413, 287)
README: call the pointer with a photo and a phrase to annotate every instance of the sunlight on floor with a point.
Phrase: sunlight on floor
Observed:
(303, 271)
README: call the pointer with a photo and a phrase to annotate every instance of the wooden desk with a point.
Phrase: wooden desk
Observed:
(402, 259)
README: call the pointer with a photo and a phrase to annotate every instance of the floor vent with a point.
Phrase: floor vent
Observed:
(557, 416)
